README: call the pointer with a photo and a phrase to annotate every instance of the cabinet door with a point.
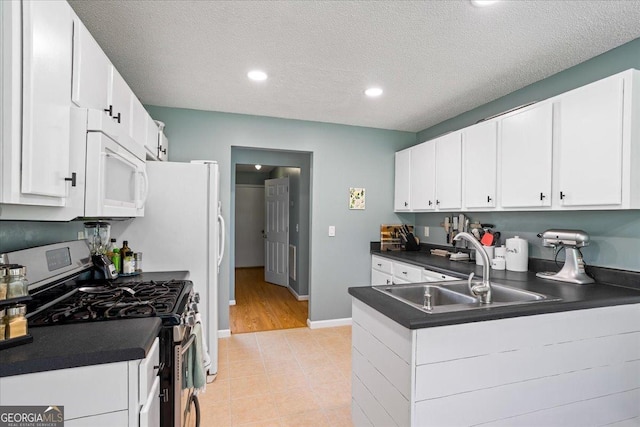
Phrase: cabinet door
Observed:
(423, 176)
(590, 144)
(403, 180)
(151, 143)
(479, 164)
(139, 117)
(46, 113)
(91, 70)
(380, 278)
(120, 100)
(525, 160)
(448, 171)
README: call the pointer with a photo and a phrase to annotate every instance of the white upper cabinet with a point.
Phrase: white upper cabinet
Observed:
(590, 144)
(120, 102)
(448, 173)
(47, 39)
(91, 70)
(139, 123)
(402, 200)
(152, 144)
(479, 165)
(423, 176)
(579, 150)
(526, 152)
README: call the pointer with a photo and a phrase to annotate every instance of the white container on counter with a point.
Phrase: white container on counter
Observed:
(489, 251)
(517, 256)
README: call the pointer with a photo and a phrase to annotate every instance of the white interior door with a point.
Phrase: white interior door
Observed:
(276, 228)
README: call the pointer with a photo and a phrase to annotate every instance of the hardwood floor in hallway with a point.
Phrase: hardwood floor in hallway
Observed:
(262, 306)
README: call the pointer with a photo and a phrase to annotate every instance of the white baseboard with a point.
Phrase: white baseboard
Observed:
(232, 302)
(328, 323)
(298, 297)
(224, 333)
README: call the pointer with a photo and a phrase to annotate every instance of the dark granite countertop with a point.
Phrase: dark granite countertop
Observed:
(574, 297)
(82, 344)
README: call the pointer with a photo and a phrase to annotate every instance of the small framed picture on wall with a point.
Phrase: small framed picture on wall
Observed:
(356, 198)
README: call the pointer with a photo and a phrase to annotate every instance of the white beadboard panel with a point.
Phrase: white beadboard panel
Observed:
(631, 422)
(370, 406)
(493, 404)
(395, 336)
(395, 370)
(612, 409)
(358, 418)
(393, 402)
(479, 338)
(491, 370)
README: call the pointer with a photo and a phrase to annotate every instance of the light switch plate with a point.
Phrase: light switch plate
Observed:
(426, 231)
(332, 231)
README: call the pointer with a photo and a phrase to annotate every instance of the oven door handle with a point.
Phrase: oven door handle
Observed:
(188, 344)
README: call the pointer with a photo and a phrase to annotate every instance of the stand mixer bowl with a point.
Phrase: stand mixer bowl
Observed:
(98, 235)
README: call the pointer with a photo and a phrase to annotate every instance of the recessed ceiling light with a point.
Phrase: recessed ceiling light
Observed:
(258, 167)
(373, 92)
(483, 3)
(257, 75)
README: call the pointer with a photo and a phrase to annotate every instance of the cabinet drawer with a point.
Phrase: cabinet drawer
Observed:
(407, 272)
(148, 371)
(434, 276)
(382, 264)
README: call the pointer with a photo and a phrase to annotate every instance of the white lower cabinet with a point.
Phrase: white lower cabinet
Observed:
(518, 371)
(387, 272)
(96, 395)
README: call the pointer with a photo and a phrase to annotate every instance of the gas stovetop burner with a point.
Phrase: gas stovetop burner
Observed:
(107, 301)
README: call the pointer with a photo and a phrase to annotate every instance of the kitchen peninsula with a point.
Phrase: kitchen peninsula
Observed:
(575, 361)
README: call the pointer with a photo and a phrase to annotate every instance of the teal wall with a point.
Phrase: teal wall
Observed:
(615, 234)
(342, 157)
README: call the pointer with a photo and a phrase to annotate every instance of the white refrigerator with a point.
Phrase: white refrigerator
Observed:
(182, 229)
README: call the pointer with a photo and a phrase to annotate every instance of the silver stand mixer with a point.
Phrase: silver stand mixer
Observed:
(573, 269)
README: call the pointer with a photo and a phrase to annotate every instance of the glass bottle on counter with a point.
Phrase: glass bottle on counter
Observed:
(116, 259)
(4, 280)
(128, 261)
(17, 286)
(123, 253)
(15, 321)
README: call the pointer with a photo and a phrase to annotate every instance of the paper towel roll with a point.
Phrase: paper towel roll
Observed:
(517, 257)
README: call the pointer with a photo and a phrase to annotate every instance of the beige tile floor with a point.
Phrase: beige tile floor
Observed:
(292, 377)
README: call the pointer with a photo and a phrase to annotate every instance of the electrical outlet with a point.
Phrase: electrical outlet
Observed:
(80, 235)
(332, 231)
(426, 232)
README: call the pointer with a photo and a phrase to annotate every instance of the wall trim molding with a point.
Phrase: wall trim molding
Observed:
(298, 297)
(232, 302)
(331, 323)
(224, 333)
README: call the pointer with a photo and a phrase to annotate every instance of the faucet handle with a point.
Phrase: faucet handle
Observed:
(470, 281)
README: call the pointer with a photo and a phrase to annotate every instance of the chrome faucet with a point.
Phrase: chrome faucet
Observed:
(482, 290)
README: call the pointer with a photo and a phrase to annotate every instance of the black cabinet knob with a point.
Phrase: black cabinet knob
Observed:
(72, 179)
(488, 199)
(562, 195)
(109, 110)
(542, 196)
(117, 118)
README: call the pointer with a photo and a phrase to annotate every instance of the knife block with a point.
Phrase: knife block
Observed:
(411, 244)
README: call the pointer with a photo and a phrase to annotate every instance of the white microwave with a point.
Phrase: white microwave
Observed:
(116, 183)
(107, 175)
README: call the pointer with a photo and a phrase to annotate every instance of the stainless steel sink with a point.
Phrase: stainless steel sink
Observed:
(444, 297)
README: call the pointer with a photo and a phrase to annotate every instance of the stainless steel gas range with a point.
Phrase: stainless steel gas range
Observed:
(66, 288)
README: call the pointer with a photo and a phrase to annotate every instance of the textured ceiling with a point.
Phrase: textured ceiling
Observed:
(434, 59)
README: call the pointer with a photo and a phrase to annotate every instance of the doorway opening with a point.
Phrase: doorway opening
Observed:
(271, 212)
